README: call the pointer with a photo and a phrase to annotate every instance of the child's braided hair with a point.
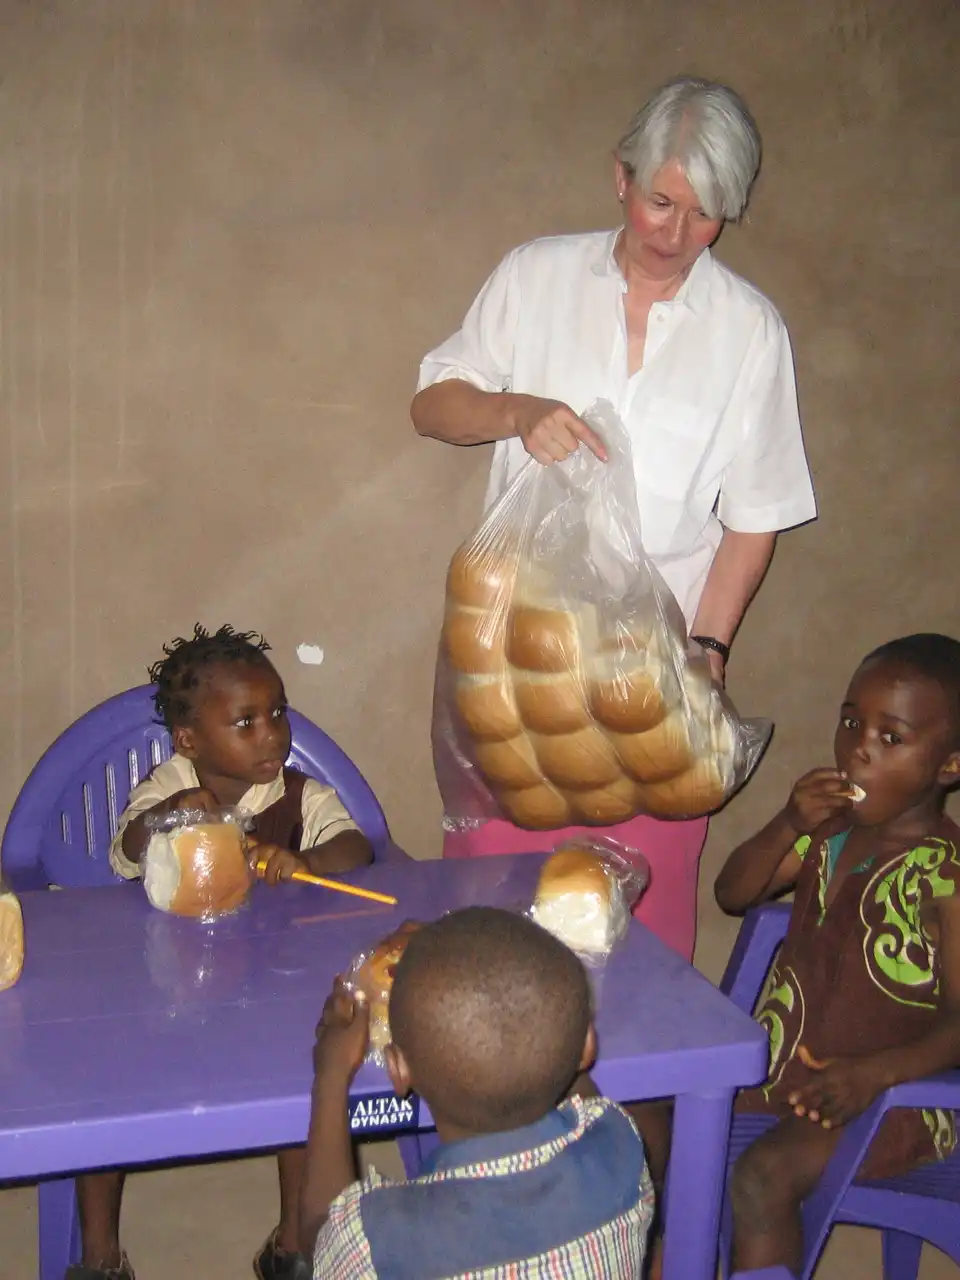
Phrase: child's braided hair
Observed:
(178, 674)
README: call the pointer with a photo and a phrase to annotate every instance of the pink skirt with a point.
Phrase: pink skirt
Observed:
(669, 904)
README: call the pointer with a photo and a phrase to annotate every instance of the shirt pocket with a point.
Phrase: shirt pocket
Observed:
(673, 444)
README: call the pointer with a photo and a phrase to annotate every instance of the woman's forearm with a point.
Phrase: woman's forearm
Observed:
(737, 571)
(457, 412)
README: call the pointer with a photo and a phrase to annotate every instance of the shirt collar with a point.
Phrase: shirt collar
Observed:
(488, 1147)
(695, 290)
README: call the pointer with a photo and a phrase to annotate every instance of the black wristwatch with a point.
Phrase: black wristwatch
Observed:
(715, 646)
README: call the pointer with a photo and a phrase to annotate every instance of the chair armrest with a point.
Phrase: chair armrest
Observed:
(760, 935)
(941, 1090)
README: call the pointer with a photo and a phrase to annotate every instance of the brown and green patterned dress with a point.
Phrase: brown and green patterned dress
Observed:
(858, 977)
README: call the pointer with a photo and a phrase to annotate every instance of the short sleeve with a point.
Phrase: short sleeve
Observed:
(322, 814)
(767, 486)
(482, 349)
(938, 866)
(342, 1251)
(175, 774)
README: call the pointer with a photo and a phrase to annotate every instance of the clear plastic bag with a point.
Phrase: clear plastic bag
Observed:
(11, 938)
(567, 691)
(372, 973)
(196, 862)
(587, 891)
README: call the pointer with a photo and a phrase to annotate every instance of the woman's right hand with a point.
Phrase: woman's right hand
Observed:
(550, 430)
(817, 797)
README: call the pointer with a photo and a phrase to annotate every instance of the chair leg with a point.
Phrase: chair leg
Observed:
(409, 1147)
(414, 1149)
(58, 1227)
(901, 1255)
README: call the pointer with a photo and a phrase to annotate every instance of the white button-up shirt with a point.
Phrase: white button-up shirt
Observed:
(712, 414)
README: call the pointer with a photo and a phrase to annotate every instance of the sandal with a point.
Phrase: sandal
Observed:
(273, 1263)
(79, 1272)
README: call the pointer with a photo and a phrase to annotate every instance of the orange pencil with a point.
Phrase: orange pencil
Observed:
(306, 878)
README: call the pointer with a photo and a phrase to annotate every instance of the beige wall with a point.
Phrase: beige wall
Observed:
(228, 231)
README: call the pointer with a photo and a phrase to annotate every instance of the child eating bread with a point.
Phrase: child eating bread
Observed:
(490, 1023)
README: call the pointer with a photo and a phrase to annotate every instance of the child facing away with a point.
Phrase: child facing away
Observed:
(865, 993)
(491, 1024)
(224, 705)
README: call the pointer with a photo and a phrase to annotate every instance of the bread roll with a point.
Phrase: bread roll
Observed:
(550, 703)
(375, 979)
(200, 871)
(11, 939)
(509, 764)
(540, 808)
(701, 789)
(577, 760)
(481, 577)
(604, 806)
(487, 706)
(630, 694)
(661, 752)
(579, 902)
(540, 639)
(474, 640)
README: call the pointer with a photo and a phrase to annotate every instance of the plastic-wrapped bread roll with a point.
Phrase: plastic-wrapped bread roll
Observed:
(583, 759)
(540, 638)
(509, 764)
(374, 975)
(606, 806)
(580, 902)
(699, 790)
(487, 706)
(11, 938)
(474, 639)
(550, 702)
(630, 693)
(661, 752)
(481, 577)
(540, 808)
(196, 865)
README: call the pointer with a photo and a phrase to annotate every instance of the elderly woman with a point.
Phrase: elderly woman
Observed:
(697, 363)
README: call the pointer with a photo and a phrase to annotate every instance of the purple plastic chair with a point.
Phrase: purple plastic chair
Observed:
(61, 825)
(60, 829)
(921, 1205)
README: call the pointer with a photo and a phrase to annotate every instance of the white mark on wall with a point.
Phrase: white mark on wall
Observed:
(311, 655)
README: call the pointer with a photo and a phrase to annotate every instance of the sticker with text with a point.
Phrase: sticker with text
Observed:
(384, 1112)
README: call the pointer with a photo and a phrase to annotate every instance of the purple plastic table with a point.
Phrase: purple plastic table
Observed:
(134, 1037)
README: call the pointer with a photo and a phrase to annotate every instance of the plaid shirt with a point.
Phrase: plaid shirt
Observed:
(567, 1198)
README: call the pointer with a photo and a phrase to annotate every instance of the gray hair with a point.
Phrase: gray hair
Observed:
(707, 128)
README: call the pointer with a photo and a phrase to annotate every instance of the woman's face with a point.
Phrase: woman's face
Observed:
(665, 229)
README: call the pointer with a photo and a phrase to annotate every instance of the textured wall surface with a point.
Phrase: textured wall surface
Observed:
(228, 231)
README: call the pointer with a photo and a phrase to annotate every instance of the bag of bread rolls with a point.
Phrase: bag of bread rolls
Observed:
(567, 692)
(586, 892)
(196, 862)
(11, 937)
(372, 973)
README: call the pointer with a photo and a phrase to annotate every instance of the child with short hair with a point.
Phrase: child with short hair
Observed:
(865, 992)
(224, 704)
(491, 1024)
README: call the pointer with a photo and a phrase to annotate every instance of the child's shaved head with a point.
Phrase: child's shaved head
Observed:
(491, 1013)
